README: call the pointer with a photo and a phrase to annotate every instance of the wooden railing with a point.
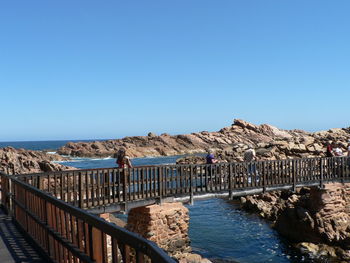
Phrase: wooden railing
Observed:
(48, 206)
(100, 187)
(65, 233)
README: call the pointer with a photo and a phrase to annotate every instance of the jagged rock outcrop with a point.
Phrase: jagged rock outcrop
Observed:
(317, 219)
(229, 143)
(20, 161)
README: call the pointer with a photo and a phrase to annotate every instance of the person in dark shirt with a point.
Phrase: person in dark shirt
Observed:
(210, 158)
(122, 159)
(329, 152)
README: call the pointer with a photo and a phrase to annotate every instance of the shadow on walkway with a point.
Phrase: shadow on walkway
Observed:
(13, 246)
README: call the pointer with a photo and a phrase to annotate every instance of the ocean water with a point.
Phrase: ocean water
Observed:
(222, 232)
(218, 229)
(89, 163)
(40, 145)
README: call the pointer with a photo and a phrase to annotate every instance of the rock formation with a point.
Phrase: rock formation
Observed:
(229, 142)
(317, 219)
(20, 161)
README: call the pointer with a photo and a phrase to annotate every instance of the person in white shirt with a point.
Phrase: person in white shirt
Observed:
(250, 156)
(337, 151)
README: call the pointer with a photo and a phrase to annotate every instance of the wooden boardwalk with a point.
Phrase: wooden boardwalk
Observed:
(52, 208)
(107, 190)
(13, 246)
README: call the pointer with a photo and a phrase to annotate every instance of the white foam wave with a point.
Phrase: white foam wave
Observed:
(84, 159)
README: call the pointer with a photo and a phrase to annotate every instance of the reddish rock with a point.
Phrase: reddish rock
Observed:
(317, 216)
(20, 161)
(230, 142)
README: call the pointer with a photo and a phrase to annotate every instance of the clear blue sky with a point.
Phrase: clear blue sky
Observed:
(107, 69)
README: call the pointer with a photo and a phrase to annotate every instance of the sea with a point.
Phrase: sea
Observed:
(219, 230)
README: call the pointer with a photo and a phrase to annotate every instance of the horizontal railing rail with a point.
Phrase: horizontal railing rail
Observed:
(90, 188)
(66, 233)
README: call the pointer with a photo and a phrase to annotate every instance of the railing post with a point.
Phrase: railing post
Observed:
(160, 185)
(294, 175)
(10, 195)
(81, 197)
(125, 187)
(230, 182)
(321, 173)
(264, 177)
(39, 182)
(96, 245)
(191, 186)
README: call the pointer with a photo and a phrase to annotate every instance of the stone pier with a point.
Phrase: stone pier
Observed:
(166, 225)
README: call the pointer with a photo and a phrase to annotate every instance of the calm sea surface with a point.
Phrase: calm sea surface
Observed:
(39, 145)
(219, 230)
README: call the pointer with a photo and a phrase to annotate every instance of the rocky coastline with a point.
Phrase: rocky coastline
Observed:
(21, 161)
(316, 220)
(229, 143)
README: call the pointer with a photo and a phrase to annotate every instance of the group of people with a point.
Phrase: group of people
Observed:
(249, 156)
(334, 150)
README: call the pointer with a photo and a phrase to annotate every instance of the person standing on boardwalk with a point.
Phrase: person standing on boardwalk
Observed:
(337, 151)
(122, 159)
(210, 158)
(250, 156)
(329, 151)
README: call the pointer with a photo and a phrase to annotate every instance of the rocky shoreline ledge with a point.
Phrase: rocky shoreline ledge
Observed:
(21, 161)
(229, 145)
(316, 220)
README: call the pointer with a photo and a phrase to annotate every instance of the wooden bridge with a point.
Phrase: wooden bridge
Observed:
(51, 207)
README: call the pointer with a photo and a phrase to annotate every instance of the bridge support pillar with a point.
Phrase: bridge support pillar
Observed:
(166, 225)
